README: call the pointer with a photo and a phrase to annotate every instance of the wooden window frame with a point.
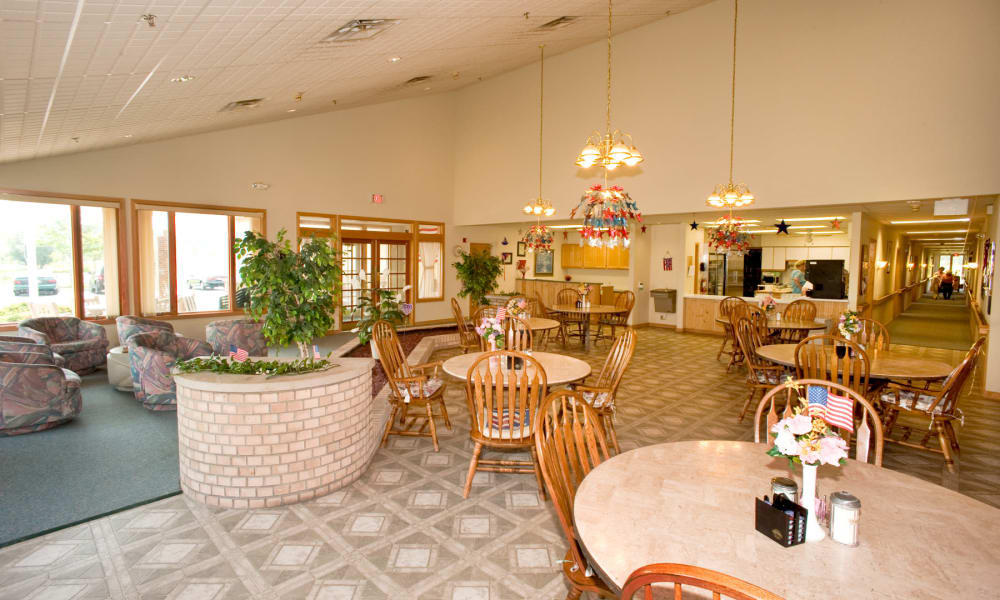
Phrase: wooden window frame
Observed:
(171, 208)
(76, 245)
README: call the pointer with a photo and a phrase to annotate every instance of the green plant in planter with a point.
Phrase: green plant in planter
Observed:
(295, 294)
(478, 273)
(388, 308)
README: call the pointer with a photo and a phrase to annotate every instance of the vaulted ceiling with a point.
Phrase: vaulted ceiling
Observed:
(78, 75)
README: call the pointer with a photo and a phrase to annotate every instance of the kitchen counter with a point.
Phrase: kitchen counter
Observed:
(700, 310)
(785, 298)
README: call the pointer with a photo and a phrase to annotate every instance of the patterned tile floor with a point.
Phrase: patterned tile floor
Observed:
(403, 531)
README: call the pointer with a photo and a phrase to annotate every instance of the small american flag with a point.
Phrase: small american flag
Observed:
(837, 411)
(316, 352)
(237, 354)
(502, 312)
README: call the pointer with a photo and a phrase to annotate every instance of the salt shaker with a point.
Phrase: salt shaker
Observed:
(845, 512)
(784, 486)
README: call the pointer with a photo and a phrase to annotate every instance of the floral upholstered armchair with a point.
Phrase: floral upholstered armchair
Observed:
(128, 326)
(151, 356)
(9, 343)
(83, 344)
(241, 333)
(35, 394)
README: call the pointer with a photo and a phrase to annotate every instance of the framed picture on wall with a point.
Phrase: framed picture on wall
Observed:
(522, 248)
(543, 262)
(506, 258)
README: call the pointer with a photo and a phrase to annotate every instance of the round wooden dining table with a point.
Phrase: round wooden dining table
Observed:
(559, 368)
(786, 324)
(588, 311)
(883, 364)
(693, 503)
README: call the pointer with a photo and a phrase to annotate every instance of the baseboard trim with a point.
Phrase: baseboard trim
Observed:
(659, 326)
(991, 395)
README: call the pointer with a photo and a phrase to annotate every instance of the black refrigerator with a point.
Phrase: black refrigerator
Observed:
(828, 278)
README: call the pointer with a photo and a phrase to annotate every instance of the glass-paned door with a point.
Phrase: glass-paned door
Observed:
(368, 266)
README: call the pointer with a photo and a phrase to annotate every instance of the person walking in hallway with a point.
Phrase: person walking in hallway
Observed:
(936, 282)
(947, 285)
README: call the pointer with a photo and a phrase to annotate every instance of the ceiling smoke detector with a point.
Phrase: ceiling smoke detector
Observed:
(358, 30)
(241, 105)
(561, 22)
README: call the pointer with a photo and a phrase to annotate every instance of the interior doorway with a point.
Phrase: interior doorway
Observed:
(369, 266)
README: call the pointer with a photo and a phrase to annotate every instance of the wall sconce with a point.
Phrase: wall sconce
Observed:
(882, 264)
(971, 265)
(910, 266)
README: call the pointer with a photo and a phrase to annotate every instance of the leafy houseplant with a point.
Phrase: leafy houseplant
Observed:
(295, 294)
(387, 308)
(478, 273)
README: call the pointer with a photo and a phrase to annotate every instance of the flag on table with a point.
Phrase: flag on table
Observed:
(316, 352)
(837, 411)
(237, 354)
(502, 312)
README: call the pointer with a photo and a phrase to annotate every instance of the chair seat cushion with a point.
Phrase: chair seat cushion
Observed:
(905, 400)
(431, 386)
(770, 377)
(506, 427)
(597, 399)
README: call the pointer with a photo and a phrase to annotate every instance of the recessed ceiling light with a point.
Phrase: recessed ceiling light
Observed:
(394, 59)
(427, 89)
(935, 232)
(805, 219)
(182, 79)
(925, 221)
(127, 135)
(291, 110)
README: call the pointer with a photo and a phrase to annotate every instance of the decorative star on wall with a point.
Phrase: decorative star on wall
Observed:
(782, 227)
(694, 225)
(835, 223)
(643, 229)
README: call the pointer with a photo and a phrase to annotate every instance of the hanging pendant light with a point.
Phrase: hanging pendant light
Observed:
(538, 237)
(613, 148)
(730, 195)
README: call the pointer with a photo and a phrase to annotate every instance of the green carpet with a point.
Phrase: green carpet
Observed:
(115, 455)
(933, 323)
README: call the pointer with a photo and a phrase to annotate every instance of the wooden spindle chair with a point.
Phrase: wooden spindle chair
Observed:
(467, 338)
(728, 346)
(867, 437)
(569, 444)
(602, 394)
(800, 310)
(762, 375)
(570, 324)
(873, 335)
(410, 387)
(743, 310)
(721, 585)
(816, 358)
(624, 302)
(503, 403)
(939, 404)
(517, 334)
(484, 312)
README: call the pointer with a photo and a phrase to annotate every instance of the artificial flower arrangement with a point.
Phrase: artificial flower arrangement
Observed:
(807, 437)
(606, 212)
(849, 324)
(584, 290)
(517, 307)
(729, 236)
(491, 330)
(768, 303)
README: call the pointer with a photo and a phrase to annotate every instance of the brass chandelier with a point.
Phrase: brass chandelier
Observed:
(538, 236)
(730, 195)
(613, 148)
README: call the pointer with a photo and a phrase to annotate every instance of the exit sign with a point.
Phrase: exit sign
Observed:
(377, 198)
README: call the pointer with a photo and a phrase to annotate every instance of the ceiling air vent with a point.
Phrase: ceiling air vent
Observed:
(241, 105)
(417, 80)
(556, 23)
(358, 30)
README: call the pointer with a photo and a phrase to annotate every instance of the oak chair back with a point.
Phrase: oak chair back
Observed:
(624, 302)
(800, 310)
(727, 305)
(570, 443)
(749, 337)
(504, 414)
(681, 576)
(618, 360)
(517, 334)
(873, 335)
(567, 296)
(951, 389)
(868, 435)
(467, 338)
(816, 358)
(391, 355)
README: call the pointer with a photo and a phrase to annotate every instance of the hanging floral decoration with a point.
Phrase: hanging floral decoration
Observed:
(607, 212)
(729, 236)
(539, 237)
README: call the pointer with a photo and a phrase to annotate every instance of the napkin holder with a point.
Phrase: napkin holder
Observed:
(775, 522)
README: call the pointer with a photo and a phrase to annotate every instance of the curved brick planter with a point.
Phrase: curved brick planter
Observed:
(247, 441)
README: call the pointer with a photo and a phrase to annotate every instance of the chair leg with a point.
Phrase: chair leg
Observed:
(538, 474)
(472, 469)
(722, 348)
(444, 413)
(746, 405)
(945, 446)
(609, 427)
(951, 435)
(574, 593)
(402, 414)
(388, 425)
(430, 421)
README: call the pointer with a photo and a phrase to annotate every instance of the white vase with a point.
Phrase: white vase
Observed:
(814, 531)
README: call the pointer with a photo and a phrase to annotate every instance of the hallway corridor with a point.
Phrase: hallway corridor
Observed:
(934, 324)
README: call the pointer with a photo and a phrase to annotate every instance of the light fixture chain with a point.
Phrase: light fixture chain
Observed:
(607, 118)
(541, 118)
(732, 97)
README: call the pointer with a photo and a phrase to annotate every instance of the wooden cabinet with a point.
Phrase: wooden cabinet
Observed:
(574, 256)
(796, 253)
(778, 263)
(767, 258)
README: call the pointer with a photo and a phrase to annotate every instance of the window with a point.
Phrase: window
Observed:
(186, 263)
(58, 257)
(430, 261)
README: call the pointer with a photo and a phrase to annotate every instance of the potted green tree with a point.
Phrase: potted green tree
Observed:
(478, 273)
(386, 307)
(295, 294)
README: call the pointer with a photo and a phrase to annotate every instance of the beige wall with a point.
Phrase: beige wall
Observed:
(329, 163)
(838, 102)
(667, 240)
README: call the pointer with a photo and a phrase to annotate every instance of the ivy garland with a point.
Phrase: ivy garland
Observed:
(270, 368)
